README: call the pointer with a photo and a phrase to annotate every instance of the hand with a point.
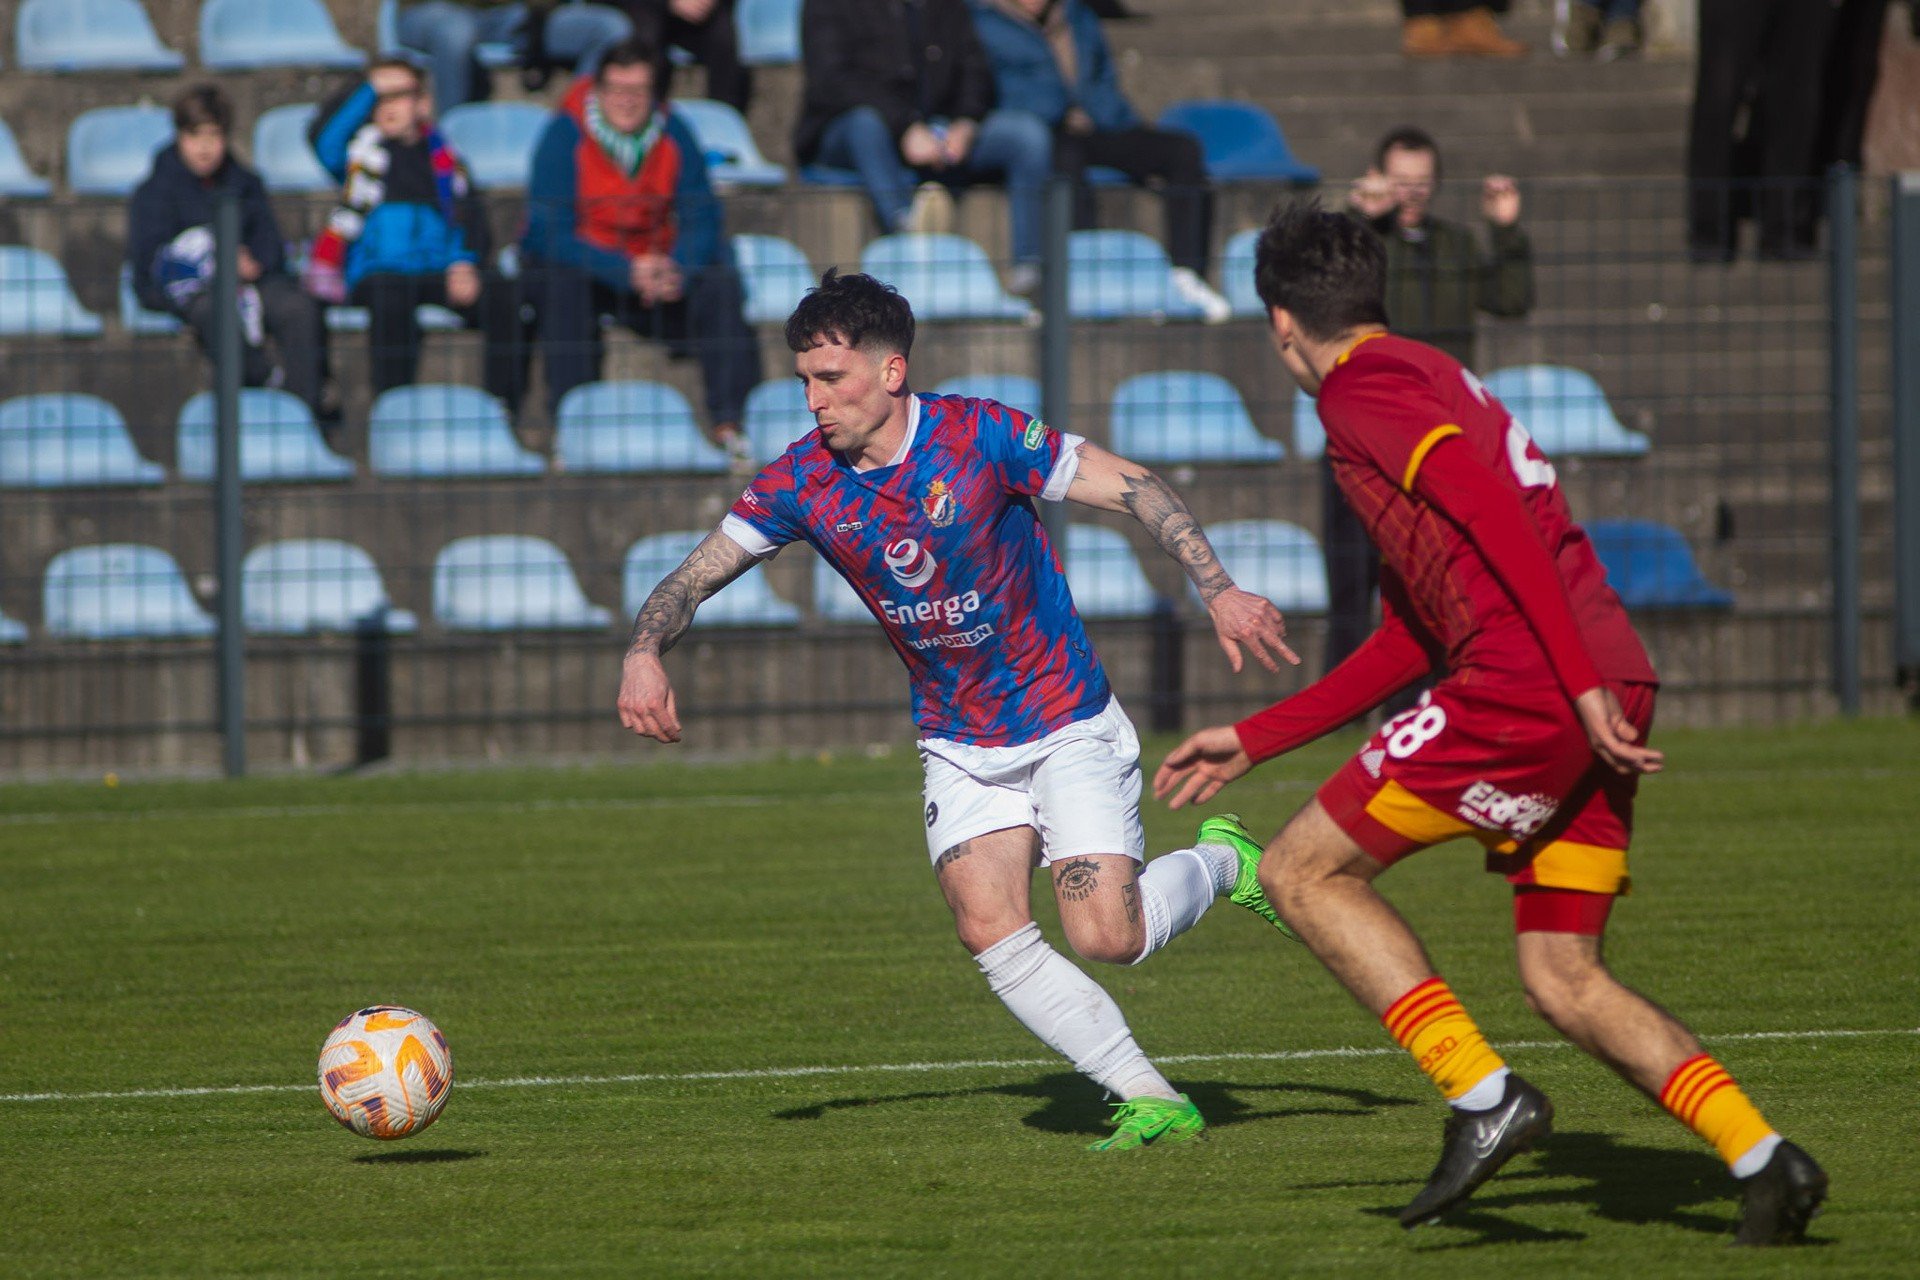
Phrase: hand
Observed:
(1372, 196)
(646, 698)
(463, 284)
(1240, 617)
(922, 148)
(656, 278)
(1077, 121)
(1194, 771)
(691, 11)
(249, 265)
(1500, 200)
(1612, 735)
(960, 138)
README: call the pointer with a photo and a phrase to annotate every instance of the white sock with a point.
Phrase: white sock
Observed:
(1071, 1013)
(1756, 1157)
(1223, 864)
(1175, 891)
(1485, 1094)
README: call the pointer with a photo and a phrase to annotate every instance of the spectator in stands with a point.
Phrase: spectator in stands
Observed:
(170, 250)
(1050, 58)
(410, 230)
(1449, 28)
(1438, 279)
(705, 29)
(622, 219)
(541, 32)
(901, 92)
(1608, 30)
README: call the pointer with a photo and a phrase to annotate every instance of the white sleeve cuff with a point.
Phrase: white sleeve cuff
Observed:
(751, 540)
(1064, 470)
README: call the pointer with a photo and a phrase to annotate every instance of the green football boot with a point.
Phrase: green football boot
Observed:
(1145, 1122)
(1228, 829)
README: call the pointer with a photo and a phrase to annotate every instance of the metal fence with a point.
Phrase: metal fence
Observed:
(427, 574)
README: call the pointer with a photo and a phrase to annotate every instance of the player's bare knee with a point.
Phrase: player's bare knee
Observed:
(1106, 941)
(1562, 980)
(979, 932)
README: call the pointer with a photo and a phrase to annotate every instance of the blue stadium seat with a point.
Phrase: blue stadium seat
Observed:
(386, 30)
(834, 599)
(120, 591)
(1309, 436)
(35, 299)
(1565, 411)
(733, 158)
(1184, 416)
(776, 416)
(12, 630)
(631, 427)
(776, 273)
(439, 430)
(240, 35)
(1236, 274)
(1104, 575)
(1120, 274)
(135, 318)
(496, 140)
(16, 180)
(278, 440)
(1651, 566)
(1275, 559)
(747, 601)
(769, 31)
(282, 153)
(1241, 141)
(945, 277)
(1014, 390)
(68, 440)
(89, 35)
(303, 585)
(110, 149)
(510, 582)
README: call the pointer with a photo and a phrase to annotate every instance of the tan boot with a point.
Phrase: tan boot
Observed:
(1476, 33)
(1425, 38)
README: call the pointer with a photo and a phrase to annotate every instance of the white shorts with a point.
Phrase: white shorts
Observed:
(1079, 787)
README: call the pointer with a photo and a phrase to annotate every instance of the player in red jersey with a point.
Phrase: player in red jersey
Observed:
(1532, 742)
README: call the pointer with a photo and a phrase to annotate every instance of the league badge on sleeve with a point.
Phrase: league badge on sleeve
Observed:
(938, 504)
(1036, 434)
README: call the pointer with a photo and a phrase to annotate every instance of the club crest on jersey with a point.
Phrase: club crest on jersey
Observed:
(938, 504)
(910, 563)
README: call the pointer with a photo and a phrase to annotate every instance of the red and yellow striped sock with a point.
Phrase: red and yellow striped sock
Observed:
(1429, 1023)
(1703, 1097)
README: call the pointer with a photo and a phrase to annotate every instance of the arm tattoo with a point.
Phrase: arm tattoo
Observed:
(1076, 880)
(1152, 502)
(668, 612)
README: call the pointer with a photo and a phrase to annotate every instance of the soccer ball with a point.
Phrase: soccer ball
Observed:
(385, 1072)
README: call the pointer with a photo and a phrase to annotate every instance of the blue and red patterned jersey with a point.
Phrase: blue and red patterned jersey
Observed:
(944, 547)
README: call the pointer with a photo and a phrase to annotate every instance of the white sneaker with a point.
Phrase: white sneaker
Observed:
(931, 212)
(1214, 308)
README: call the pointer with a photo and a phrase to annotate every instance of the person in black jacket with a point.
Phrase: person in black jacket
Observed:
(901, 92)
(704, 28)
(170, 245)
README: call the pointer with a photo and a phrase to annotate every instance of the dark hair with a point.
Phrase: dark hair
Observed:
(1327, 270)
(1407, 138)
(400, 64)
(202, 104)
(634, 51)
(854, 310)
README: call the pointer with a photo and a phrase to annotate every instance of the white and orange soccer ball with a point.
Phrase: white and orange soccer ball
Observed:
(385, 1072)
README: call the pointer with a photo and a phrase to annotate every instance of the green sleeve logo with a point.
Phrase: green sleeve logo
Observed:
(1036, 434)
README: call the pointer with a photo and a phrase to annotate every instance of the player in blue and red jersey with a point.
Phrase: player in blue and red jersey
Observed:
(925, 505)
(1531, 743)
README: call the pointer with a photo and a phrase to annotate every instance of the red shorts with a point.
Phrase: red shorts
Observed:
(1510, 768)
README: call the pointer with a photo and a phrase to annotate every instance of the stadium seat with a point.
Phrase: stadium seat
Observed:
(776, 274)
(135, 318)
(496, 140)
(278, 440)
(12, 630)
(510, 582)
(16, 179)
(631, 427)
(769, 31)
(303, 585)
(1309, 436)
(89, 35)
(386, 30)
(1104, 575)
(439, 430)
(68, 440)
(1236, 274)
(1014, 390)
(1183, 416)
(946, 277)
(1565, 411)
(834, 599)
(282, 153)
(1241, 142)
(776, 416)
(241, 35)
(35, 299)
(733, 158)
(1651, 566)
(1120, 274)
(747, 601)
(1275, 559)
(110, 149)
(120, 591)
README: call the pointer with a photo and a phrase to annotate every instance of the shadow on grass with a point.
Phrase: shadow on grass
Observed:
(431, 1156)
(1069, 1104)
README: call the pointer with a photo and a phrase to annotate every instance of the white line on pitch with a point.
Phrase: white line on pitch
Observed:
(892, 1068)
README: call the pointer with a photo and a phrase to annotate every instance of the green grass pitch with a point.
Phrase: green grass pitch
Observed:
(669, 948)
